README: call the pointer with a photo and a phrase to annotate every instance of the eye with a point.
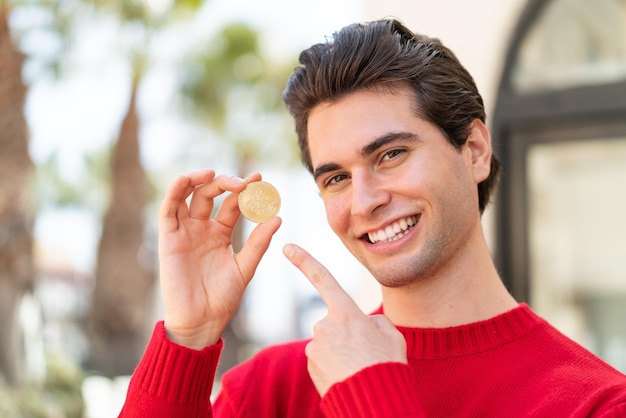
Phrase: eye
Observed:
(335, 180)
(393, 154)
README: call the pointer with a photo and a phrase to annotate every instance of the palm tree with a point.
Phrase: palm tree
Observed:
(236, 92)
(122, 301)
(16, 211)
(122, 296)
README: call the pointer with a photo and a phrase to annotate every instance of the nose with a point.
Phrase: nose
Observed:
(368, 194)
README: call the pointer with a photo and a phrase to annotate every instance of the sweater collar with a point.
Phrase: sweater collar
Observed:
(437, 343)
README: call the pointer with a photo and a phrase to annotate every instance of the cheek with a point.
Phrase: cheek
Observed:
(337, 213)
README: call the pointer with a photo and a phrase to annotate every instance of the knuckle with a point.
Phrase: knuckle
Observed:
(316, 274)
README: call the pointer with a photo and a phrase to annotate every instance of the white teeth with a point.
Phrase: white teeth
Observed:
(394, 231)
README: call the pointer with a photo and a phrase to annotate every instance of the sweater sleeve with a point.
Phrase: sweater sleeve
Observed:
(172, 380)
(618, 411)
(381, 390)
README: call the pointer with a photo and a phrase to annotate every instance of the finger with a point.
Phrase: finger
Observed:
(174, 204)
(202, 200)
(253, 177)
(228, 213)
(329, 289)
(257, 244)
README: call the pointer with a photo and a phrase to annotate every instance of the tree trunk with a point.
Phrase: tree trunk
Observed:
(16, 212)
(123, 296)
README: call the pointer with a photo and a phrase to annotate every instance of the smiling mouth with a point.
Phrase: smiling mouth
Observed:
(392, 232)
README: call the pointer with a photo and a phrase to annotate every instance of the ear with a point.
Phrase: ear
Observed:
(479, 146)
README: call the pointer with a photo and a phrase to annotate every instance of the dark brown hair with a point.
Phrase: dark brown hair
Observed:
(386, 53)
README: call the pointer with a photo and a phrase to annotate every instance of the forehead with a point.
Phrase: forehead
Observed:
(345, 126)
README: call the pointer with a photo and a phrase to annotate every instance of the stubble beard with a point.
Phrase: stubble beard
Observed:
(433, 259)
(419, 267)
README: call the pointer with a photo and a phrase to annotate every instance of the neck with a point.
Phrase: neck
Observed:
(467, 289)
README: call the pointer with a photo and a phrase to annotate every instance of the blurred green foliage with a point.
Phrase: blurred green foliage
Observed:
(58, 396)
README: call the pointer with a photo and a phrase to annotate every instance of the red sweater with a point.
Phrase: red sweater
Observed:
(513, 365)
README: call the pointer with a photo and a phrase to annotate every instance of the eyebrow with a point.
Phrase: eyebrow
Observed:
(369, 149)
(381, 141)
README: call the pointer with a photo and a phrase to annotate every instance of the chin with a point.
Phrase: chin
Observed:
(394, 274)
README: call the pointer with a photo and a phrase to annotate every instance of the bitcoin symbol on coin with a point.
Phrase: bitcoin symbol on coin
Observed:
(259, 201)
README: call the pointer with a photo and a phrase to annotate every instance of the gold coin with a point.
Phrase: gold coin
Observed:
(259, 201)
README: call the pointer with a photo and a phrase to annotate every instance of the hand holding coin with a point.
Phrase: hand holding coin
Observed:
(259, 201)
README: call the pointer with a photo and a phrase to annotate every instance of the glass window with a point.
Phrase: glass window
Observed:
(577, 241)
(573, 43)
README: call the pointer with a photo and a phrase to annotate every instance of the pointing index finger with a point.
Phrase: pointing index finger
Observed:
(333, 295)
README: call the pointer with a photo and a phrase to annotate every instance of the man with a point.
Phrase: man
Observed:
(393, 130)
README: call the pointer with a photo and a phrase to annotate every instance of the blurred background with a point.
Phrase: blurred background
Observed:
(103, 103)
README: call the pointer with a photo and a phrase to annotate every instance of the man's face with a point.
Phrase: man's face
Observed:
(401, 198)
